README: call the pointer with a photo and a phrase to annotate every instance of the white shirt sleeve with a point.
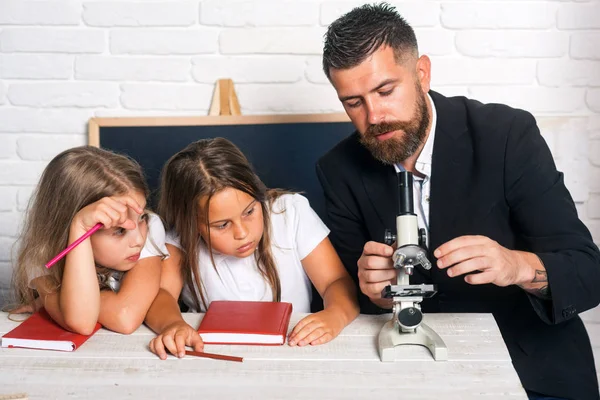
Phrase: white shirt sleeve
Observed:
(173, 239)
(156, 240)
(308, 228)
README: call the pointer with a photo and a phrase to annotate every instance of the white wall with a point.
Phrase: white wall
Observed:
(62, 62)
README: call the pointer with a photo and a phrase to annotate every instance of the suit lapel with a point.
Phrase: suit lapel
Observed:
(451, 171)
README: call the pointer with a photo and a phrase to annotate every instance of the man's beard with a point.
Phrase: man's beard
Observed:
(397, 149)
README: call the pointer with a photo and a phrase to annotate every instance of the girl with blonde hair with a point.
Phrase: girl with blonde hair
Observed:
(113, 276)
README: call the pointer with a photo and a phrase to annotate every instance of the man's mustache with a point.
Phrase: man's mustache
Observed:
(384, 127)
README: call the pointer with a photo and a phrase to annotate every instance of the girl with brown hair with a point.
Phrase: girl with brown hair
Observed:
(230, 238)
(113, 276)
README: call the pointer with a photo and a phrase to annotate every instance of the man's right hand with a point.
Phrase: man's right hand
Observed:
(376, 271)
(174, 339)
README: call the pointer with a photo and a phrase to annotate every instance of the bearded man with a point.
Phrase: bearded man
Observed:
(502, 229)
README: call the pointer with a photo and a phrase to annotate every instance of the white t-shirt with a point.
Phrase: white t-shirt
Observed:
(295, 232)
(154, 246)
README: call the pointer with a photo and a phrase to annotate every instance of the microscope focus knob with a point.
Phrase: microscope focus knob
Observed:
(422, 259)
(389, 238)
(423, 238)
(410, 317)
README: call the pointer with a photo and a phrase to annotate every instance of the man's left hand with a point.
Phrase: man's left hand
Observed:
(494, 263)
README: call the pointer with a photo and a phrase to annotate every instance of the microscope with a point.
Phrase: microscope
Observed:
(405, 327)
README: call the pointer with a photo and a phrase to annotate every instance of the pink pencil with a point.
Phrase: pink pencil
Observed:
(74, 244)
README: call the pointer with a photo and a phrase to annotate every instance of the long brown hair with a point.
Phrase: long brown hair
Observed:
(202, 169)
(72, 180)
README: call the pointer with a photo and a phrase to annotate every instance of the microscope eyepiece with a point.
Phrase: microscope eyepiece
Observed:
(405, 193)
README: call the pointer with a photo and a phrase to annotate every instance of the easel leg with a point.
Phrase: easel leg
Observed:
(224, 101)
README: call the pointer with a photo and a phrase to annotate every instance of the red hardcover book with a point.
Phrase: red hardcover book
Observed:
(246, 322)
(39, 331)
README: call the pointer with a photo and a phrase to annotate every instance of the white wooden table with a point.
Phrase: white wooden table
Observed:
(112, 366)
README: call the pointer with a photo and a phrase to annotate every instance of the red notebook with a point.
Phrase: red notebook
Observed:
(39, 331)
(246, 322)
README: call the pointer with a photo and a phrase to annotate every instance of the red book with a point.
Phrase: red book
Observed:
(39, 331)
(246, 322)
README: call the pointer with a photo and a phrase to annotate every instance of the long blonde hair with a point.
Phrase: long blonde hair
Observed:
(72, 180)
(202, 169)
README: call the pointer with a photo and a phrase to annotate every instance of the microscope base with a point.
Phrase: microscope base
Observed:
(390, 337)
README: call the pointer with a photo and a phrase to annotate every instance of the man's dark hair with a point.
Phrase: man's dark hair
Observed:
(359, 33)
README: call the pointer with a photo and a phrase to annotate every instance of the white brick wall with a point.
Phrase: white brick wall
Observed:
(166, 42)
(512, 43)
(64, 61)
(248, 69)
(64, 94)
(2, 93)
(271, 40)
(52, 40)
(584, 46)
(259, 13)
(44, 147)
(111, 14)
(579, 16)
(9, 198)
(126, 68)
(149, 96)
(561, 73)
(17, 12)
(536, 99)
(593, 99)
(36, 66)
(499, 15)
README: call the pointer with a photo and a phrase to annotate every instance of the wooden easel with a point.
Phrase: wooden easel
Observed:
(224, 101)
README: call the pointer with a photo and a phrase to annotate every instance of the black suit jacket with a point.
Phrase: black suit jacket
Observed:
(492, 175)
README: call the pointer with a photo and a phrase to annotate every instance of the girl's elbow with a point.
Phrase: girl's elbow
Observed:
(127, 329)
(81, 327)
(129, 326)
(127, 322)
(87, 330)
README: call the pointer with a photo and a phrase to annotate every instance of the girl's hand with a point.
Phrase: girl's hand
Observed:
(174, 339)
(317, 328)
(110, 211)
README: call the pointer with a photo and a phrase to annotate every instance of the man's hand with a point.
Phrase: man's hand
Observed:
(494, 263)
(376, 271)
